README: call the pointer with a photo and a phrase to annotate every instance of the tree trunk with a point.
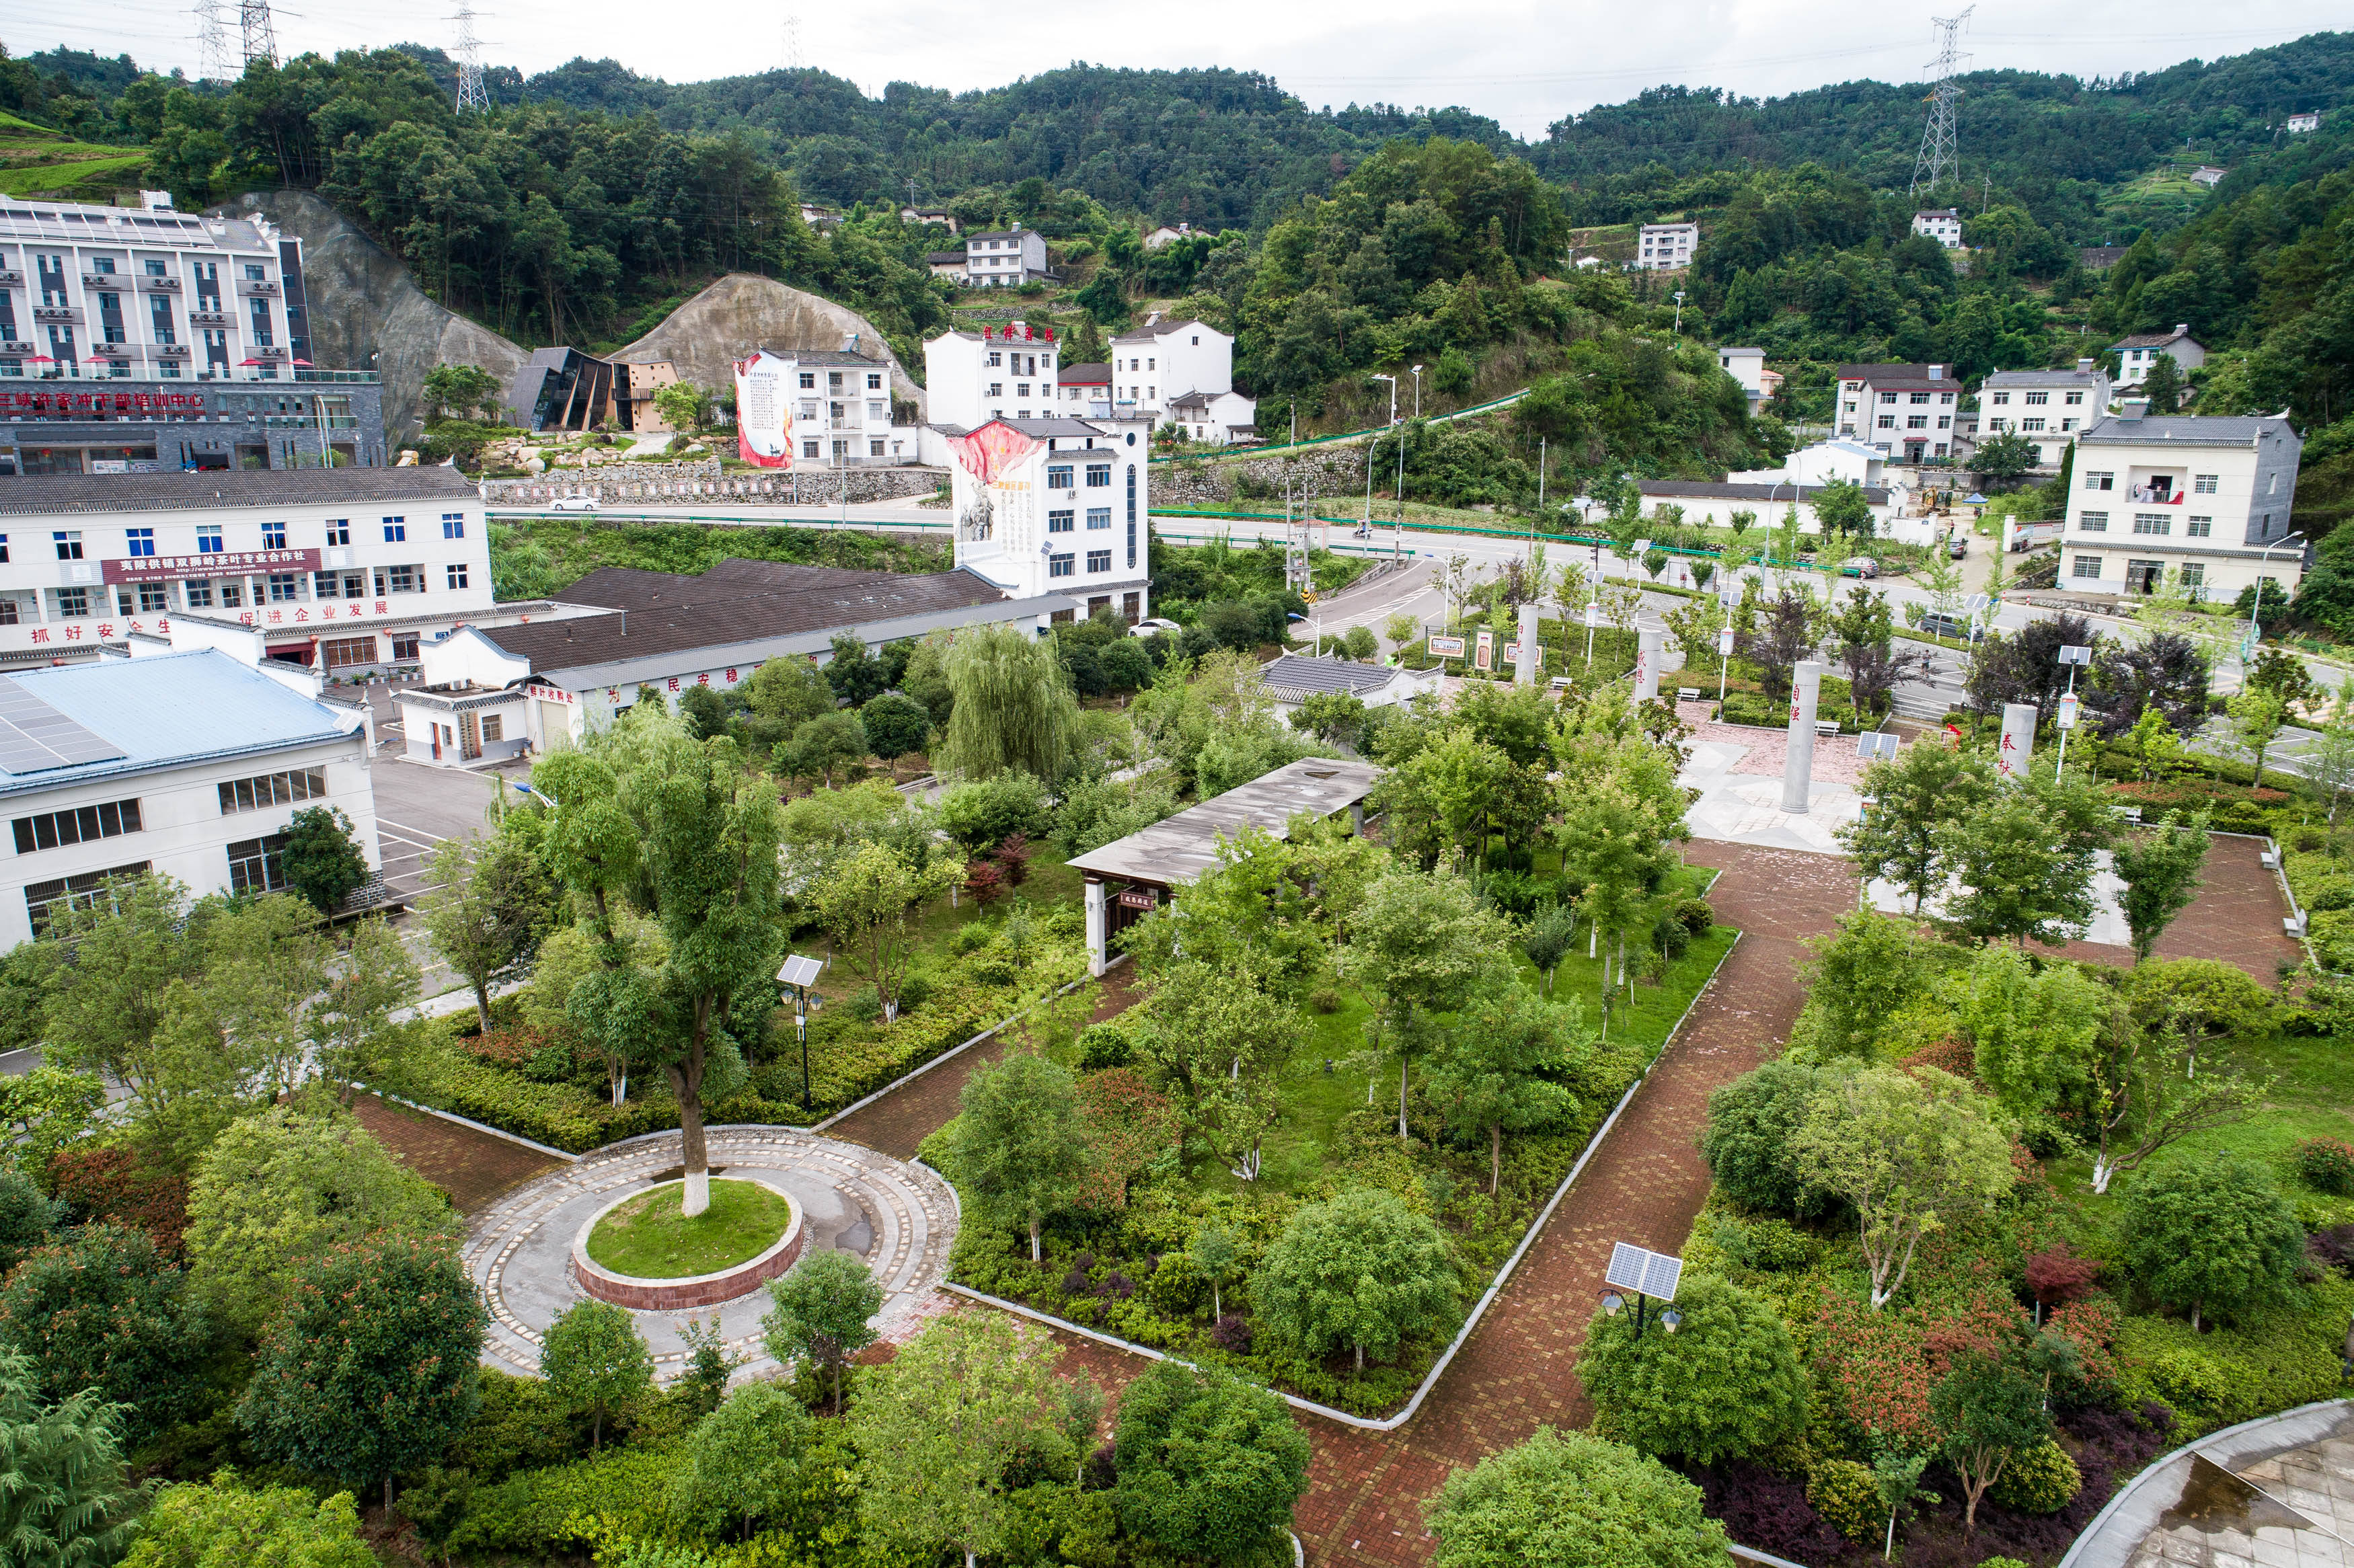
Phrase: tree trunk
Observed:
(686, 1083)
(1495, 1156)
(1361, 1358)
(1034, 1238)
(483, 1004)
(1402, 1133)
(388, 1499)
(837, 1385)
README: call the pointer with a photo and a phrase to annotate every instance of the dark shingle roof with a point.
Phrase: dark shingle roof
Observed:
(677, 613)
(1294, 672)
(627, 588)
(48, 493)
(2152, 339)
(1086, 375)
(2183, 430)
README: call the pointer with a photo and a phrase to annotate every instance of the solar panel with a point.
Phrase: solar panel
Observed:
(35, 737)
(800, 972)
(1652, 1274)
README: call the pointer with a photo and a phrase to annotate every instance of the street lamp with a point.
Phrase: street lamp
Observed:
(1417, 391)
(800, 975)
(2256, 609)
(2074, 658)
(1397, 544)
(1680, 314)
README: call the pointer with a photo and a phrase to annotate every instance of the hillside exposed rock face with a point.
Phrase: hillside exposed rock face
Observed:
(740, 313)
(367, 314)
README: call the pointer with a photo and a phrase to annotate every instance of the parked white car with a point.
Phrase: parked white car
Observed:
(1155, 625)
(573, 503)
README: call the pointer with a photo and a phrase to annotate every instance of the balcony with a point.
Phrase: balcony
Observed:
(365, 377)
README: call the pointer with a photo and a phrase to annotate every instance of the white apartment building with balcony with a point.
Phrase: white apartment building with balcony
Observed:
(345, 570)
(1906, 410)
(2137, 354)
(1182, 372)
(842, 409)
(1057, 507)
(2046, 407)
(1005, 259)
(997, 373)
(1665, 247)
(1944, 225)
(2205, 498)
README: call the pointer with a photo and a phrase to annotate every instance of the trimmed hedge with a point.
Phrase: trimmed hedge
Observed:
(2274, 1359)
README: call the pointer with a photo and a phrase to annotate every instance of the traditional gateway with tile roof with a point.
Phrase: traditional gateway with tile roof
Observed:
(187, 761)
(1293, 678)
(2204, 501)
(1130, 877)
(494, 691)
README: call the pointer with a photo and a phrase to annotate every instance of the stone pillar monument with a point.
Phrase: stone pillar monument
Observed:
(2018, 745)
(1525, 672)
(1096, 926)
(1798, 760)
(1650, 644)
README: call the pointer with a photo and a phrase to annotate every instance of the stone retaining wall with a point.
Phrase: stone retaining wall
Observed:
(1329, 471)
(671, 484)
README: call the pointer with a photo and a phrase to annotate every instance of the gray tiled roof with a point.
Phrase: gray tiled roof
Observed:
(1174, 852)
(1295, 672)
(1876, 494)
(38, 494)
(2151, 340)
(2187, 429)
(2043, 378)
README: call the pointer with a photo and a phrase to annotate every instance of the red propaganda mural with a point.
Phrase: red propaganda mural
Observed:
(764, 414)
(992, 449)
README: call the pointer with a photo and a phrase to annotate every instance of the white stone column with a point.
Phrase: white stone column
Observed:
(1095, 927)
(1650, 645)
(2017, 745)
(1525, 672)
(1798, 760)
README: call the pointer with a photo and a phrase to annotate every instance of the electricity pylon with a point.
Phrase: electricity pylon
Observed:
(470, 91)
(215, 62)
(1940, 157)
(260, 38)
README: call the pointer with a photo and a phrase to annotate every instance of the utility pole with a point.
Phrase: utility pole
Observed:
(470, 91)
(1679, 329)
(261, 39)
(1940, 157)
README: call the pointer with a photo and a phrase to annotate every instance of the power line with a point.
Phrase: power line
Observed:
(1940, 154)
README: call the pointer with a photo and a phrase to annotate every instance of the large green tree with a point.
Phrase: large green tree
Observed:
(647, 818)
(1361, 1272)
(823, 1313)
(63, 1500)
(1019, 1148)
(2160, 871)
(1013, 705)
(1502, 1067)
(1420, 942)
(1208, 1465)
(747, 1461)
(1565, 1500)
(1727, 1383)
(370, 1368)
(1904, 837)
(595, 1359)
(99, 1310)
(1990, 1409)
(486, 917)
(2211, 1234)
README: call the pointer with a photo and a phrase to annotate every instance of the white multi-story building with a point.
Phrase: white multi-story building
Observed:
(342, 569)
(2136, 354)
(1083, 388)
(1163, 362)
(2046, 407)
(2299, 125)
(1944, 225)
(997, 373)
(1746, 365)
(2207, 498)
(187, 762)
(1906, 410)
(1057, 507)
(842, 409)
(1666, 246)
(1005, 259)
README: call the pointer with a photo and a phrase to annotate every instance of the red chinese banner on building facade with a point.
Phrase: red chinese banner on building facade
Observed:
(992, 449)
(220, 563)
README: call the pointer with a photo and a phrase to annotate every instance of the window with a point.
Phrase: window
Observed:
(323, 585)
(2200, 527)
(875, 449)
(76, 825)
(2067, 424)
(208, 538)
(1997, 425)
(2098, 481)
(154, 600)
(2030, 424)
(2272, 485)
(1059, 476)
(809, 380)
(1098, 560)
(996, 360)
(997, 388)
(4, 549)
(285, 587)
(1058, 565)
(253, 273)
(1920, 398)
(2093, 522)
(273, 535)
(2075, 399)
(1099, 516)
(1916, 421)
(2203, 483)
(268, 789)
(8, 612)
(875, 383)
(349, 653)
(808, 448)
(255, 865)
(1022, 389)
(494, 726)
(404, 645)
(2086, 566)
(232, 592)
(1944, 421)
(453, 524)
(395, 579)
(458, 574)
(2194, 578)
(199, 592)
(2153, 522)
(82, 892)
(2001, 399)
(2036, 399)
(396, 530)
(1060, 521)
(1887, 421)
(339, 530)
(73, 603)
(1888, 396)
(68, 542)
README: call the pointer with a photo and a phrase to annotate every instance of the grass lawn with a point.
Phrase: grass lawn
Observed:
(649, 1238)
(2312, 1096)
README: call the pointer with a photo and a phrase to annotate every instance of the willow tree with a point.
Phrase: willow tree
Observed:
(648, 819)
(1013, 705)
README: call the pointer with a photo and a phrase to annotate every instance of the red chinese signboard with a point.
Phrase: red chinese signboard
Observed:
(220, 563)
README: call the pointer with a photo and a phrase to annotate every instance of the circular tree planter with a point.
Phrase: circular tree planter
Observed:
(641, 1294)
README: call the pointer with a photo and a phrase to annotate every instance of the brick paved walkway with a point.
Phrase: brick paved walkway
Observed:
(474, 1167)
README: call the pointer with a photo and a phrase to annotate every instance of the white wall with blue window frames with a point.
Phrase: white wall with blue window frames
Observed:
(1061, 511)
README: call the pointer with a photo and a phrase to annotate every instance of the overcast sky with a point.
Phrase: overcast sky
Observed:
(1524, 64)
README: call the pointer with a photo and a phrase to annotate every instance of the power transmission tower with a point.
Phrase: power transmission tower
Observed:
(1940, 158)
(260, 38)
(470, 91)
(792, 38)
(214, 61)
